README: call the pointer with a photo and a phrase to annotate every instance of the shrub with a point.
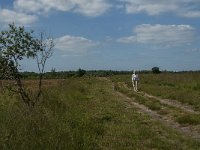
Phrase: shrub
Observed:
(80, 72)
(156, 70)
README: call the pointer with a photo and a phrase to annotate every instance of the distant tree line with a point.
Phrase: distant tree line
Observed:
(79, 73)
(53, 74)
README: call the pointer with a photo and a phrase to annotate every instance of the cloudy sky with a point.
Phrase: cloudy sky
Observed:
(112, 34)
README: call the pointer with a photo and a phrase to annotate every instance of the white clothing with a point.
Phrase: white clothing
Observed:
(135, 79)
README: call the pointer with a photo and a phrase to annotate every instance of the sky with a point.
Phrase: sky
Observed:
(112, 34)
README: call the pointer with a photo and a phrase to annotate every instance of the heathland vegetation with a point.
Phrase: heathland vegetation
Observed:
(92, 112)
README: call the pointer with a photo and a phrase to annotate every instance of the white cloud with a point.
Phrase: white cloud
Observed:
(43, 6)
(9, 16)
(161, 35)
(74, 44)
(152, 7)
(192, 14)
(90, 8)
(185, 8)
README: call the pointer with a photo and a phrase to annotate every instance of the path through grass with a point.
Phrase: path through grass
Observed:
(83, 113)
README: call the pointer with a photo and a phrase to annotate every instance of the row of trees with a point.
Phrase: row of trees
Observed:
(79, 73)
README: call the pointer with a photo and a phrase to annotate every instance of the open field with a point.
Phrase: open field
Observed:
(105, 113)
(183, 87)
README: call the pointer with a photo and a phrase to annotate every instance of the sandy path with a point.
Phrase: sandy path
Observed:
(188, 131)
(132, 103)
(173, 103)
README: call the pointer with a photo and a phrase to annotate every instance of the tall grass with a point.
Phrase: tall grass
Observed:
(183, 87)
(82, 113)
(57, 121)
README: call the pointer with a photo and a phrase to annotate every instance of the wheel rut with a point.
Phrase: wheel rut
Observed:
(186, 130)
(173, 103)
(131, 102)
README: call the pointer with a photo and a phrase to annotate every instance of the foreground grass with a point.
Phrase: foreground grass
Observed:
(83, 113)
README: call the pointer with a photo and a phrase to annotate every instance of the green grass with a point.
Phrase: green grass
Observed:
(123, 85)
(183, 87)
(83, 113)
(149, 102)
(192, 119)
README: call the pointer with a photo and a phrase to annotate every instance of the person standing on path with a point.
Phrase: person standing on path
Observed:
(135, 80)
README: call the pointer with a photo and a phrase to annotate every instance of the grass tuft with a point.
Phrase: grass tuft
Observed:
(192, 119)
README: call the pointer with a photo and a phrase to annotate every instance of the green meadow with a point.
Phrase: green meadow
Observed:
(97, 113)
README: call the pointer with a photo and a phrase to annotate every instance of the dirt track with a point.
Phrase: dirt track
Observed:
(172, 103)
(165, 120)
(186, 130)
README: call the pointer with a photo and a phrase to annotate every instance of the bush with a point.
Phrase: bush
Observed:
(80, 72)
(156, 70)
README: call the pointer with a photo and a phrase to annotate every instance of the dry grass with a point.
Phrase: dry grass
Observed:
(183, 87)
(83, 113)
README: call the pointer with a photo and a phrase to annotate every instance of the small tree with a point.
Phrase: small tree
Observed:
(155, 70)
(80, 72)
(17, 44)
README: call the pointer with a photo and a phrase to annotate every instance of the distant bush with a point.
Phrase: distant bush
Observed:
(80, 72)
(156, 70)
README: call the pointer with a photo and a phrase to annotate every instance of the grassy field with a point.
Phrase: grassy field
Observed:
(89, 113)
(183, 87)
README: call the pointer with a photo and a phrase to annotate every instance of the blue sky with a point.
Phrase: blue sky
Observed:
(112, 34)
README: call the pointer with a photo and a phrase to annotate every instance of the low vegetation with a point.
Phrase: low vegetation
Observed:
(84, 113)
(183, 87)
